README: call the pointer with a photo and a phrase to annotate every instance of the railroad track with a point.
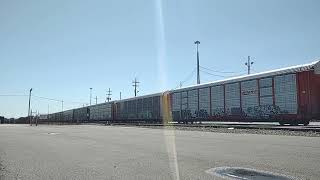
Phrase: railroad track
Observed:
(312, 128)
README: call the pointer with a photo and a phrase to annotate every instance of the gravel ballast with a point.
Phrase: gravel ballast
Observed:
(280, 132)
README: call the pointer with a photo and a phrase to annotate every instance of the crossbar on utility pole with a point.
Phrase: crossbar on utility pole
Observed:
(108, 95)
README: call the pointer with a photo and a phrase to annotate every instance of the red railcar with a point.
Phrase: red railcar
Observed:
(289, 95)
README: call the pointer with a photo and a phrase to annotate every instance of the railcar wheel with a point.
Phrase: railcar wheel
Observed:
(295, 123)
(281, 123)
(306, 123)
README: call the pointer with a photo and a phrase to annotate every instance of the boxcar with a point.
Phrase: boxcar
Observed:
(290, 95)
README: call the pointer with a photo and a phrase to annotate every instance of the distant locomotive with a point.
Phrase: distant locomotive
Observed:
(288, 96)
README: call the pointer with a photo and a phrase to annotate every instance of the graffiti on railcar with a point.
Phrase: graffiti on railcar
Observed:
(202, 113)
(218, 112)
(263, 111)
(186, 114)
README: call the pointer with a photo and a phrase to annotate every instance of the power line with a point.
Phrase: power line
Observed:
(187, 78)
(46, 98)
(39, 97)
(220, 75)
(13, 95)
(226, 72)
(254, 70)
(213, 74)
(58, 100)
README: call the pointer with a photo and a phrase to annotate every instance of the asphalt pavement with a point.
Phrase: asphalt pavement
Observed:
(113, 152)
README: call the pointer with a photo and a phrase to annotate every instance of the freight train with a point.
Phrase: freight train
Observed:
(288, 96)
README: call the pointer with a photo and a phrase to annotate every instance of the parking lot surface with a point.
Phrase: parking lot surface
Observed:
(113, 152)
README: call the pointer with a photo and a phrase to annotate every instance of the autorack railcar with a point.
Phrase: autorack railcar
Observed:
(289, 95)
(139, 109)
(67, 116)
(81, 115)
(101, 112)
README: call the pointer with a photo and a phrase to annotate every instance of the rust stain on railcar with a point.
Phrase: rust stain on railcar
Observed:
(166, 108)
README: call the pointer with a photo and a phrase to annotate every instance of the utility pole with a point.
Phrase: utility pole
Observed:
(120, 95)
(198, 63)
(61, 115)
(29, 107)
(108, 95)
(90, 95)
(248, 64)
(135, 85)
(48, 114)
(37, 116)
(96, 99)
(180, 84)
(30, 117)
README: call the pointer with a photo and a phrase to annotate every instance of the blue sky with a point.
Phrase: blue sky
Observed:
(62, 48)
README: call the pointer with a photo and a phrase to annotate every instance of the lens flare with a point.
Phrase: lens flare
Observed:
(161, 46)
(169, 135)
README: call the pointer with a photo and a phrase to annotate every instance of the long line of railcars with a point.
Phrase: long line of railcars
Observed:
(289, 95)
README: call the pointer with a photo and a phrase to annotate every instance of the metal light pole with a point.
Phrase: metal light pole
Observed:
(198, 64)
(90, 95)
(29, 107)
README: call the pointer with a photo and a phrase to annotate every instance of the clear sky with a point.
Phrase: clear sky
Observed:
(61, 48)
